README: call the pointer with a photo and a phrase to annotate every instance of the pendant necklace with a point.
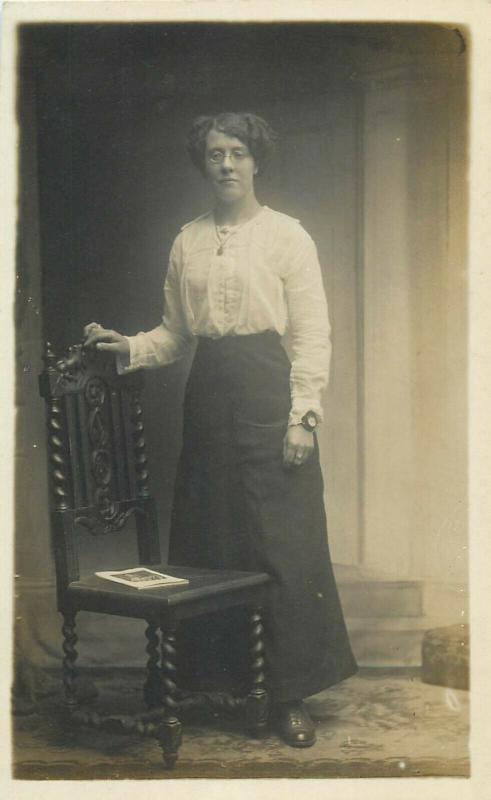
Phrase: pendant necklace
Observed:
(223, 233)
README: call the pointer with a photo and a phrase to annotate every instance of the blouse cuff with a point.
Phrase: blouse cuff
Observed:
(126, 363)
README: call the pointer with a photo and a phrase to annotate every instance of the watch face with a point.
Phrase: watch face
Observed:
(309, 421)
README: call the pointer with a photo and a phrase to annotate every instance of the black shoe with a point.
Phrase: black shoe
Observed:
(294, 724)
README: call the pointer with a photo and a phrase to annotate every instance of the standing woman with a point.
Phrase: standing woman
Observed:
(249, 490)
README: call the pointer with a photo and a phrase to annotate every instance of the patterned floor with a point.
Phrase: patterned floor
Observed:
(376, 724)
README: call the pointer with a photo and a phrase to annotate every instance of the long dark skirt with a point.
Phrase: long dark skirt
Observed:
(238, 506)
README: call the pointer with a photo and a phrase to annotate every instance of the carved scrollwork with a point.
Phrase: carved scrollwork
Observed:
(72, 369)
(107, 520)
(101, 470)
(106, 516)
(95, 393)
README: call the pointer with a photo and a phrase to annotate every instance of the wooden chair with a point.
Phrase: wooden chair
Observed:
(100, 482)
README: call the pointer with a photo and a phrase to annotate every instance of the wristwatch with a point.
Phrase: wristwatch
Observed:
(310, 421)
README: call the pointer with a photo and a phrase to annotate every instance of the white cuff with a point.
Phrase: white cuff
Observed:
(124, 363)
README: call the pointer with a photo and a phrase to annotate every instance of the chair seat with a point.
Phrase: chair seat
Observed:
(208, 590)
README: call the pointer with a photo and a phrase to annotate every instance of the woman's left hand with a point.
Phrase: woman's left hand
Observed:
(298, 446)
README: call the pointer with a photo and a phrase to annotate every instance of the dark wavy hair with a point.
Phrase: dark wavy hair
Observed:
(252, 130)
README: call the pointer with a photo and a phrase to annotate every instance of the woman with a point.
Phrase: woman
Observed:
(249, 491)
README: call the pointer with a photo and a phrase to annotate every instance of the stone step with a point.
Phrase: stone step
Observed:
(381, 598)
(390, 624)
(384, 642)
(385, 617)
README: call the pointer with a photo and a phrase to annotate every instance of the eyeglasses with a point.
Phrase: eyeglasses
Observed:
(218, 156)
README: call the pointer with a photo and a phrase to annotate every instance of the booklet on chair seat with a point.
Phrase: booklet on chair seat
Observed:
(141, 578)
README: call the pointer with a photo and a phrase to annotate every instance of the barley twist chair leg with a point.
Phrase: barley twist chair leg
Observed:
(170, 729)
(257, 701)
(69, 670)
(152, 690)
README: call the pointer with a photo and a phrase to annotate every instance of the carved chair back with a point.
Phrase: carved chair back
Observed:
(96, 451)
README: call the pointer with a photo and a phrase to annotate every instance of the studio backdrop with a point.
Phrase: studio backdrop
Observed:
(372, 160)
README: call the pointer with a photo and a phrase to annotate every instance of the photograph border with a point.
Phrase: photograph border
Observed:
(472, 16)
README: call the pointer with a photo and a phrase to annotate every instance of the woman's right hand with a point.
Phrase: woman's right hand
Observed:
(102, 339)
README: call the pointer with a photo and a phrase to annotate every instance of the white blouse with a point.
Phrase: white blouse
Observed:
(261, 275)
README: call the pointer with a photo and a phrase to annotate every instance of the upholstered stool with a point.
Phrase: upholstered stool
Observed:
(446, 656)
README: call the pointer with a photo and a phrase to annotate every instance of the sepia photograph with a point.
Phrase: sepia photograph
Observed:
(241, 364)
